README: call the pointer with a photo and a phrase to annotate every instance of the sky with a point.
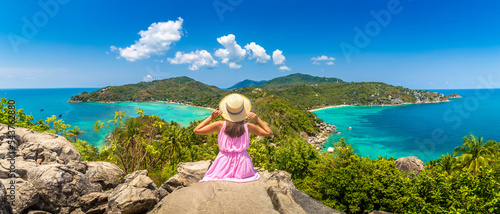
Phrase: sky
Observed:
(418, 44)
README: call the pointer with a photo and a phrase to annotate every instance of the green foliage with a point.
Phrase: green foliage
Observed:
(297, 79)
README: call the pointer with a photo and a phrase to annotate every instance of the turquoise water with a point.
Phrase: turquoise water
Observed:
(423, 130)
(84, 115)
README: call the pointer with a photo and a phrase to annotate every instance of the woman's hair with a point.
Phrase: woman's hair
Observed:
(235, 129)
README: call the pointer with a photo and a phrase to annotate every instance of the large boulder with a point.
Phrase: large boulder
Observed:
(25, 195)
(41, 147)
(104, 173)
(59, 187)
(410, 164)
(92, 203)
(136, 193)
(4, 201)
(218, 197)
(188, 173)
(273, 193)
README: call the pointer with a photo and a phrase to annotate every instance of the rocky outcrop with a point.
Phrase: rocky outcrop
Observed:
(51, 178)
(317, 140)
(59, 186)
(104, 173)
(188, 173)
(410, 164)
(136, 194)
(4, 200)
(274, 192)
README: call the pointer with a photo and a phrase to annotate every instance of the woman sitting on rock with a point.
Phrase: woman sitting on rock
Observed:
(233, 162)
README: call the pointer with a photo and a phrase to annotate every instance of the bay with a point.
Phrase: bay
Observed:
(426, 131)
(84, 115)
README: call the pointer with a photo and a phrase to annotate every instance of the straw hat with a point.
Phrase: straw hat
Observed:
(234, 107)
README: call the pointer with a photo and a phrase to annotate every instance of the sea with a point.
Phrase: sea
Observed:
(43, 103)
(426, 131)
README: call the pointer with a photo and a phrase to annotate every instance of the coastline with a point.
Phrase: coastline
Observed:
(383, 105)
(156, 101)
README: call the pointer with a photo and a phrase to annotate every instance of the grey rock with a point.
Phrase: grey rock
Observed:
(217, 197)
(48, 147)
(5, 207)
(59, 186)
(188, 173)
(410, 164)
(21, 167)
(136, 194)
(104, 173)
(26, 194)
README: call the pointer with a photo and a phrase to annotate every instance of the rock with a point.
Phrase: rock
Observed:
(188, 173)
(59, 186)
(26, 194)
(217, 197)
(5, 207)
(95, 203)
(311, 205)
(104, 173)
(21, 170)
(273, 193)
(410, 164)
(330, 149)
(38, 212)
(51, 148)
(136, 194)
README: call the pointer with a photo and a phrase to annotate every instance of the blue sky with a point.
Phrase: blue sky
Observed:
(418, 44)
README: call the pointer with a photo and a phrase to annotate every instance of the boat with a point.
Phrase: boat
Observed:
(41, 109)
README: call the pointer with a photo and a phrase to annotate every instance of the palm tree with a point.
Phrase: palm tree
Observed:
(75, 132)
(475, 154)
(174, 137)
(448, 162)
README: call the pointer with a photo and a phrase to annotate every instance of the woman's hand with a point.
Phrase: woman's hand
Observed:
(252, 116)
(216, 114)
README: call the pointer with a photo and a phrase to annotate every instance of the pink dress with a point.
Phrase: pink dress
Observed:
(233, 162)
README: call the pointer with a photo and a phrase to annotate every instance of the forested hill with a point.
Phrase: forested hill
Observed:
(298, 79)
(304, 90)
(247, 83)
(182, 89)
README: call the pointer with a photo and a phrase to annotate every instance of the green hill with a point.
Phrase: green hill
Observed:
(247, 83)
(359, 93)
(182, 89)
(298, 79)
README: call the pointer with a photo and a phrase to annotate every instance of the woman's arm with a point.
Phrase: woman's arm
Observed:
(263, 130)
(202, 128)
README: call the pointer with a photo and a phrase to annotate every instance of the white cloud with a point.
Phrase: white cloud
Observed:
(234, 65)
(258, 52)
(317, 60)
(147, 78)
(284, 68)
(278, 57)
(232, 54)
(155, 40)
(196, 59)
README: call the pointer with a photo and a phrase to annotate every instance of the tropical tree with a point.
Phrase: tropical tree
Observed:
(448, 163)
(75, 132)
(173, 138)
(475, 153)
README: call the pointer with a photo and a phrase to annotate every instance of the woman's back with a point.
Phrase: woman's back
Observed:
(236, 144)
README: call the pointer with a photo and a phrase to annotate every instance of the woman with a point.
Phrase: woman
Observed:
(233, 162)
